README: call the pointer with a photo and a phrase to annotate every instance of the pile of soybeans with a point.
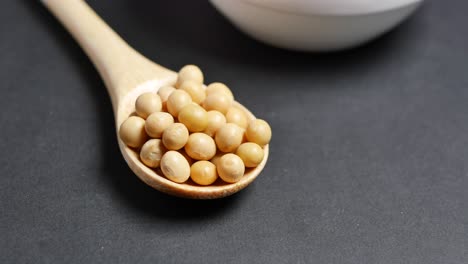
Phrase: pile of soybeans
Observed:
(193, 132)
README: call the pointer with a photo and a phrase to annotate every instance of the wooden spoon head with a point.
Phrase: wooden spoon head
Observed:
(156, 179)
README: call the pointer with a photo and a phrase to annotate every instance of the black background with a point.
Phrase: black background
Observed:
(368, 161)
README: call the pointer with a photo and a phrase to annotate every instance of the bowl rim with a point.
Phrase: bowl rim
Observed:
(329, 7)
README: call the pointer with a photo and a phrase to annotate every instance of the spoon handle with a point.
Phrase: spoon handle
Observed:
(120, 66)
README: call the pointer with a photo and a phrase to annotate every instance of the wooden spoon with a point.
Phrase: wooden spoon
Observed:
(127, 74)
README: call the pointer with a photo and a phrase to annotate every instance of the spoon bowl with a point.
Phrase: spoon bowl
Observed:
(127, 74)
(155, 178)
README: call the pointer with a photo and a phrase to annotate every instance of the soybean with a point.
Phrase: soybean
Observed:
(175, 136)
(229, 137)
(250, 153)
(176, 101)
(175, 167)
(215, 121)
(132, 132)
(230, 168)
(218, 87)
(194, 117)
(200, 146)
(157, 122)
(195, 90)
(203, 172)
(258, 131)
(218, 101)
(189, 72)
(152, 152)
(164, 93)
(147, 103)
(237, 116)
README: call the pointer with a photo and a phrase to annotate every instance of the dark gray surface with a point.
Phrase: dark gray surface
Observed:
(368, 161)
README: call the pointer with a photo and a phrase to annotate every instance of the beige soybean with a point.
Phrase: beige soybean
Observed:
(215, 121)
(132, 132)
(258, 131)
(203, 172)
(175, 136)
(229, 137)
(157, 122)
(152, 152)
(164, 93)
(218, 87)
(200, 146)
(218, 101)
(175, 167)
(189, 72)
(250, 153)
(194, 117)
(176, 101)
(147, 103)
(230, 168)
(195, 90)
(237, 116)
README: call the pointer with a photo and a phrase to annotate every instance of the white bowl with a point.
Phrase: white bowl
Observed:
(315, 25)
